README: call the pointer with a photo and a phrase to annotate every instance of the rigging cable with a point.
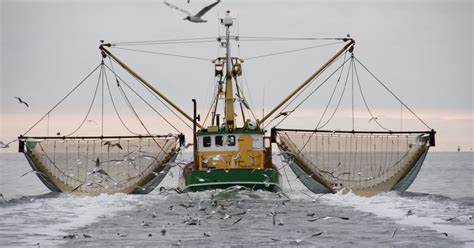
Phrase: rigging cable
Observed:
(312, 92)
(67, 95)
(102, 114)
(352, 91)
(165, 54)
(91, 105)
(240, 93)
(299, 150)
(330, 99)
(255, 38)
(210, 104)
(145, 101)
(115, 107)
(153, 94)
(290, 51)
(393, 94)
(213, 103)
(136, 114)
(365, 102)
(298, 94)
(159, 42)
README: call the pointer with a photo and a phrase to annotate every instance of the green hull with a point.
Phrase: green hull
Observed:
(263, 179)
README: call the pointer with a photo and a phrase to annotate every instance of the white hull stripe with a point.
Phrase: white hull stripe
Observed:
(236, 182)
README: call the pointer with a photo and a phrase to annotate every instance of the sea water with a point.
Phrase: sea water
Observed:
(435, 212)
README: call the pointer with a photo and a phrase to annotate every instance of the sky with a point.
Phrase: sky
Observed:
(422, 50)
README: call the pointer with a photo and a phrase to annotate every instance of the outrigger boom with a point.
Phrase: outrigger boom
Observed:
(348, 47)
(133, 73)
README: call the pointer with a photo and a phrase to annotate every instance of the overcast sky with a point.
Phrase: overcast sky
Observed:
(422, 50)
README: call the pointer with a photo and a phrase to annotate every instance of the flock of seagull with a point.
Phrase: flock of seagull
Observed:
(222, 206)
(226, 208)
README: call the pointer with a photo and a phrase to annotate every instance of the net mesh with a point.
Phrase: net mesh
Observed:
(364, 163)
(95, 166)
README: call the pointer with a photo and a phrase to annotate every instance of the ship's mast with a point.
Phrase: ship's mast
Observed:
(227, 21)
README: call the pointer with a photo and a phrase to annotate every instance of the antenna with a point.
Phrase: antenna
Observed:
(263, 102)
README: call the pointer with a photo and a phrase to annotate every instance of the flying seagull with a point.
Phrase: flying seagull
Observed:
(21, 101)
(243, 101)
(110, 144)
(3, 145)
(193, 18)
(375, 118)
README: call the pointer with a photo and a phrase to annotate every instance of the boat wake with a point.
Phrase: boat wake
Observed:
(45, 219)
(442, 214)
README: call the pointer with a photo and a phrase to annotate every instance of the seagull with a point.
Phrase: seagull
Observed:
(328, 217)
(243, 101)
(110, 144)
(280, 223)
(21, 101)
(179, 243)
(394, 231)
(3, 145)
(469, 216)
(190, 17)
(237, 221)
(140, 188)
(36, 172)
(187, 145)
(286, 113)
(299, 240)
(336, 130)
(92, 121)
(121, 235)
(375, 118)
(99, 171)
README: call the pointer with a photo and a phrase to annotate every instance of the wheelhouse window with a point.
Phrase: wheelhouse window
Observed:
(219, 140)
(206, 141)
(231, 140)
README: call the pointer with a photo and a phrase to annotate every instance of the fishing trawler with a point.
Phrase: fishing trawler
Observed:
(227, 152)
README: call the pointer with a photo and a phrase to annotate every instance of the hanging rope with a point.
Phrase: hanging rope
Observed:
(115, 108)
(164, 42)
(332, 95)
(365, 101)
(352, 91)
(152, 93)
(312, 92)
(290, 51)
(393, 94)
(90, 106)
(256, 38)
(57, 104)
(296, 97)
(136, 114)
(145, 101)
(165, 54)
(241, 94)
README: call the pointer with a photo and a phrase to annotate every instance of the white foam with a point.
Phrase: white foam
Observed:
(426, 212)
(45, 220)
